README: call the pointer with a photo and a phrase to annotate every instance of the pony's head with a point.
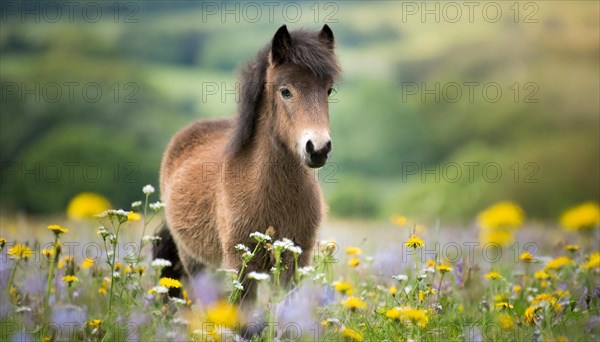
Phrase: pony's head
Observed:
(291, 81)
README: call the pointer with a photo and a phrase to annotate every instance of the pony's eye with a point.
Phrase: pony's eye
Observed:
(329, 91)
(285, 93)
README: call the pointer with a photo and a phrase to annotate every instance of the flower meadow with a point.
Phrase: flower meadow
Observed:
(92, 278)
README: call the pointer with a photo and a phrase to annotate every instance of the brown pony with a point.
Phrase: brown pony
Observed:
(222, 180)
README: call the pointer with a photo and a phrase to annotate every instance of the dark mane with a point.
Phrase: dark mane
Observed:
(307, 51)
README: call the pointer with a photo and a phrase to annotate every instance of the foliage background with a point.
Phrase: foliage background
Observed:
(172, 51)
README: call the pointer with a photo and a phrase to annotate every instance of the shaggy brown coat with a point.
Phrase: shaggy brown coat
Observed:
(222, 180)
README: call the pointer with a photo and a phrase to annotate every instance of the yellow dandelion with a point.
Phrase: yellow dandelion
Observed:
(20, 251)
(342, 286)
(420, 229)
(431, 291)
(352, 334)
(430, 263)
(128, 269)
(94, 323)
(57, 229)
(394, 313)
(562, 338)
(414, 242)
(517, 288)
(526, 257)
(63, 261)
(133, 216)
(393, 290)
(353, 262)
(223, 313)
(416, 316)
(69, 279)
(140, 270)
(541, 275)
(506, 321)
(444, 268)
(592, 262)
(572, 248)
(421, 296)
(354, 303)
(185, 297)
(48, 252)
(169, 282)
(544, 298)
(503, 297)
(504, 305)
(353, 250)
(557, 307)
(582, 217)
(529, 314)
(86, 205)
(2, 242)
(548, 300)
(499, 236)
(87, 263)
(493, 275)
(501, 215)
(558, 263)
(102, 291)
(399, 220)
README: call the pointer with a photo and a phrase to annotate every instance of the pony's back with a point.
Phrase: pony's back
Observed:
(189, 140)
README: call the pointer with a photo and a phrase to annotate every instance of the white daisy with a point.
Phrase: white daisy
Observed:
(258, 276)
(148, 189)
(400, 277)
(258, 236)
(160, 263)
(156, 206)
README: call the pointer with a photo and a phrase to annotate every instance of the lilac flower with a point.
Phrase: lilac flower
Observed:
(68, 318)
(35, 283)
(326, 295)
(5, 268)
(389, 262)
(458, 273)
(204, 289)
(297, 312)
(21, 337)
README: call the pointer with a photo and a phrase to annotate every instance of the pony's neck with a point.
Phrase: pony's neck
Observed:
(267, 159)
(275, 158)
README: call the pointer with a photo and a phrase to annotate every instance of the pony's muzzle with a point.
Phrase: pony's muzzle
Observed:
(316, 151)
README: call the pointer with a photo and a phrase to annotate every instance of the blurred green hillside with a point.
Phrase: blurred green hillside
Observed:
(409, 134)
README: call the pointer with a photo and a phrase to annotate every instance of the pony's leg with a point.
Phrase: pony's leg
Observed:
(191, 265)
(305, 258)
(232, 259)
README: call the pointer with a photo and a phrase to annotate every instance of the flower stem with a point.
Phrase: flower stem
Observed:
(440, 287)
(112, 269)
(143, 229)
(233, 297)
(51, 274)
(12, 275)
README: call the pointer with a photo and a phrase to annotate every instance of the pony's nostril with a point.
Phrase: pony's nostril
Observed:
(310, 148)
(328, 147)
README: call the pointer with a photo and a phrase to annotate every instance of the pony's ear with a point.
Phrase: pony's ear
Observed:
(326, 36)
(282, 41)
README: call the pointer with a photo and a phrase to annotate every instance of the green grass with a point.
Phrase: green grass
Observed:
(346, 294)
